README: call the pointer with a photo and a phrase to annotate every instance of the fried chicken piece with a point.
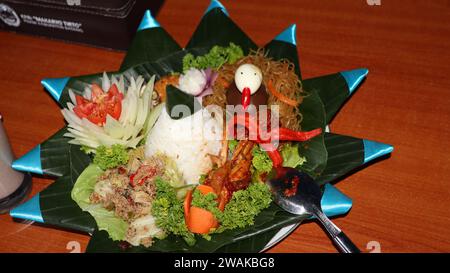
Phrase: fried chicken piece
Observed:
(234, 175)
(241, 161)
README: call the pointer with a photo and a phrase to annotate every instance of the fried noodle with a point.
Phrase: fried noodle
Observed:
(284, 79)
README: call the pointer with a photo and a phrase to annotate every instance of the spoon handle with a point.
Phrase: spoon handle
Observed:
(341, 240)
(344, 243)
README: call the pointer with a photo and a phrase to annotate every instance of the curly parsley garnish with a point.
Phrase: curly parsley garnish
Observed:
(214, 59)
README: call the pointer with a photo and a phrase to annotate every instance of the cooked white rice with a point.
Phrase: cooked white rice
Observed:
(188, 141)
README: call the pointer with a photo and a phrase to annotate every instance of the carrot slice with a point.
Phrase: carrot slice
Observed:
(204, 189)
(280, 96)
(187, 205)
(198, 220)
(201, 221)
(223, 82)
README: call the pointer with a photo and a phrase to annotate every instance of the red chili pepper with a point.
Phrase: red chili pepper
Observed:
(285, 134)
(276, 158)
(140, 182)
(132, 179)
(248, 122)
(277, 134)
(290, 135)
(149, 172)
(272, 152)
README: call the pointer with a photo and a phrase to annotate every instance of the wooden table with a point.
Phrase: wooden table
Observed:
(402, 203)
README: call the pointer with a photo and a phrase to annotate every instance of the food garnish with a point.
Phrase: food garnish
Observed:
(214, 59)
(197, 82)
(280, 96)
(111, 157)
(98, 118)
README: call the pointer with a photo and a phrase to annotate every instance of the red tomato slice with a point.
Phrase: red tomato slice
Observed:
(101, 105)
(80, 100)
(116, 110)
(97, 92)
(114, 91)
(77, 110)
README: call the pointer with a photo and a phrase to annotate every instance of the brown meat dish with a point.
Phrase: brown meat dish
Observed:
(235, 174)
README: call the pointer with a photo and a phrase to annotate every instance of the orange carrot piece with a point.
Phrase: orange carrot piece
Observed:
(187, 205)
(198, 220)
(280, 96)
(204, 189)
(201, 221)
(223, 82)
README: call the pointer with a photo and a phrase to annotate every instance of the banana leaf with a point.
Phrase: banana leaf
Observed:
(176, 97)
(148, 46)
(57, 206)
(251, 244)
(344, 154)
(335, 89)
(55, 153)
(48, 158)
(216, 28)
(58, 209)
(314, 150)
(284, 46)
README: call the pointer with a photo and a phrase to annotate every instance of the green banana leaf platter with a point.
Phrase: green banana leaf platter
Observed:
(154, 52)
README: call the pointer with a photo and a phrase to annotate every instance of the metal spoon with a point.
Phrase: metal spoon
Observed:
(297, 193)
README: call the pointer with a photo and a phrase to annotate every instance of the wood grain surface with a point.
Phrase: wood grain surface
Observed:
(401, 203)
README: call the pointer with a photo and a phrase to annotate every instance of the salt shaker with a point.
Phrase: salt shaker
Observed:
(14, 185)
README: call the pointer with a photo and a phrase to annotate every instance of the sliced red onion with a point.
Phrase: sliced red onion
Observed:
(211, 77)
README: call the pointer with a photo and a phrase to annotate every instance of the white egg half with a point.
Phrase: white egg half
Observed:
(248, 75)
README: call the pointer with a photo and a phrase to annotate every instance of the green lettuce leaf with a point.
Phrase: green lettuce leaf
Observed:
(291, 156)
(106, 220)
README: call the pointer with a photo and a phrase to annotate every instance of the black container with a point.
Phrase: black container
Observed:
(111, 24)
